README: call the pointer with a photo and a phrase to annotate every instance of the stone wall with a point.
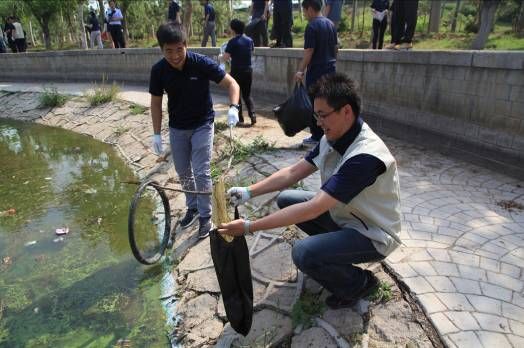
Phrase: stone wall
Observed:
(468, 103)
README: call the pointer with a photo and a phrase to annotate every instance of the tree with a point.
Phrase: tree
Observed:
(487, 20)
(44, 12)
(434, 16)
(188, 17)
(519, 21)
(455, 16)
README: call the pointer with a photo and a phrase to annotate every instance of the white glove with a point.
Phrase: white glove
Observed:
(232, 116)
(157, 144)
(238, 195)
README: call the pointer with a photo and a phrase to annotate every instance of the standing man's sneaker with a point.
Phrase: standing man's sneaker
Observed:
(189, 218)
(335, 302)
(206, 225)
(309, 142)
(253, 118)
(405, 46)
(391, 46)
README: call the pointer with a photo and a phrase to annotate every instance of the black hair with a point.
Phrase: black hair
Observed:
(237, 25)
(170, 33)
(338, 90)
(315, 4)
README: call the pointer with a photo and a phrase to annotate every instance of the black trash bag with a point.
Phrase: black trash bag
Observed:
(231, 261)
(296, 113)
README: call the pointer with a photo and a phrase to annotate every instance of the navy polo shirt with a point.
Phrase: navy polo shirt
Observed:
(94, 22)
(209, 10)
(321, 35)
(380, 5)
(188, 98)
(258, 8)
(240, 48)
(357, 173)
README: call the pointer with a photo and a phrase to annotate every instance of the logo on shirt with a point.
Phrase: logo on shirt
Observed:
(193, 78)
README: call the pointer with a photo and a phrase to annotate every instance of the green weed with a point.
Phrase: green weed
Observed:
(103, 94)
(382, 293)
(305, 309)
(220, 126)
(258, 146)
(50, 98)
(136, 109)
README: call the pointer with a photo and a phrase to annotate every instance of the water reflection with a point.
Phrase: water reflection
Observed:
(85, 289)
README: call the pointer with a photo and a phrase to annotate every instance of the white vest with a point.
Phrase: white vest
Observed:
(375, 211)
(19, 34)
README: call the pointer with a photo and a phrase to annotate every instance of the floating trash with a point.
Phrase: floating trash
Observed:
(62, 231)
(59, 239)
(33, 242)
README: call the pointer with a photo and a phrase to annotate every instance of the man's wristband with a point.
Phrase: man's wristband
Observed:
(237, 106)
(247, 224)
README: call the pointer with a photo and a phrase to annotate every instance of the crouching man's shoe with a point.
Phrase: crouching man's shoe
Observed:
(206, 225)
(335, 302)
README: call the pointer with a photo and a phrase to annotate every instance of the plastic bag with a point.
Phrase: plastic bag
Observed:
(296, 113)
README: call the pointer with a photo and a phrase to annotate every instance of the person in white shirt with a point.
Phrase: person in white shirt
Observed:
(19, 35)
(114, 20)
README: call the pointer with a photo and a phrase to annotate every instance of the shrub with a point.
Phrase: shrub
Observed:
(50, 98)
(103, 94)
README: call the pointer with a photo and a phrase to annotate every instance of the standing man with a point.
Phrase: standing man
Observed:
(320, 54)
(173, 13)
(282, 23)
(355, 217)
(94, 30)
(209, 24)
(403, 24)
(259, 12)
(379, 10)
(240, 49)
(114, 22)
(8, 29)
(185, 77)
(18, 35)
(333, 11)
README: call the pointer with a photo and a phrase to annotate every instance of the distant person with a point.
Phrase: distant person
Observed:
(185, 77)
(114, 23)
(320, 55)
(403, 24)
(379, 11)
(282, 23)
(94, 31)
(3, 43)
(257, 27)
(333, 11)
(8, 29)
(240, 49)
(19, 35)
(173, 13)
(209, 24)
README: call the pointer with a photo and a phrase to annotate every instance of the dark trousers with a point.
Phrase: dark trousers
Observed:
(117, 35)
(282, 22)
(404, 21)
(379, 28)
(244, 78)
(20, 45)
(259, 35)
(313, 74)
(329, 253)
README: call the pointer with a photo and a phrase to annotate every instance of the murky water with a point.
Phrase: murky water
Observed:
(83, 289)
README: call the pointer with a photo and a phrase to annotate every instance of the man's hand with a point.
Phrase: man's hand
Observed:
(233, 228)
(299, 76)
(238, 195)
(157, 144)
(232, 116)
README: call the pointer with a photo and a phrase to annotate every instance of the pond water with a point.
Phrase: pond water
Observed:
(83, 289)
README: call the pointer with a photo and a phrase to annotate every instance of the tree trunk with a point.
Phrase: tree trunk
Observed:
(455, 17)
(83, 39)
(32, 34)
(487, 19)
(434, 16)
(363, 19)
(101, 15)
(188, 17)
(519, 23)
(45, 30)
(353, 15)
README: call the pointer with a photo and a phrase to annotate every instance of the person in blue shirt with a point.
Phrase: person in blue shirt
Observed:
(379, 10)
(257, 27)
(173, 12)
(114, 20)
(282, 23)
(320, 54)
(185, 76)
(239, 49)
(354, 217)
(333, 11)
(209, 24)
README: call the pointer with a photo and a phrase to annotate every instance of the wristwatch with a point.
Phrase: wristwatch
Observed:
(235, 105)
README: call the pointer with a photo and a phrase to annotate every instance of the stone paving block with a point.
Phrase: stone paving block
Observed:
(493, 339)
(418, 285)
(431, 303)
(313, 337)
(463, 320)
(441, 284)
(269, 328)
(445, 268)
(465, 340)
(516, 327)
(345, 321)
(439, 255)
(423, 268)
(455, 301)
(404, 270)
(492, 322)
(464, 258)
(443, 324)
(517, 341)
(203, 281)
(466, 286)
(276, 263)
(518, 299)
(489, 264)
(421, 255)
(422, 227)
(510, 270)
(512, 312)
(474, 273)
(198, 309)
(505, 281)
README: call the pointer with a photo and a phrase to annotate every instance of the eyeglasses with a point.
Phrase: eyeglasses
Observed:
(323, 117)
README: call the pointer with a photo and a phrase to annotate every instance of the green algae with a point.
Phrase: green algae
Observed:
(85, 290)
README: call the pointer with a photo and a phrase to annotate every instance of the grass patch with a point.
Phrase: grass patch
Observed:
(121, 130)
(103, 94)
(220, 126)
(257, 146)
(382, 293)
(136, 109)
(50, 98)
(305, 309)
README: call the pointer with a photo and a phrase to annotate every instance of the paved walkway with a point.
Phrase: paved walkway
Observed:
(463, 235)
